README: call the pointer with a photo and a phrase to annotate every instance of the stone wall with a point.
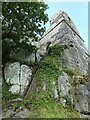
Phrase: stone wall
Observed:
(63, 31)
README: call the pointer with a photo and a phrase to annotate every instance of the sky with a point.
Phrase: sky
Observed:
(78, 12)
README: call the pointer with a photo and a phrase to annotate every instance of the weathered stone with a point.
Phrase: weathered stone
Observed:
(8, 113)
(81, 103)
(32, 57)
(55, 93)
(25, 75)
(12, 73)
(63, 101)
(54, 89)
(16, 114)
(18, 76)
(53, 85)
(44, 86)
(15, 89)
(63, 85)
(16, 100)
(22, 114)
(63, 31)
(85, 116)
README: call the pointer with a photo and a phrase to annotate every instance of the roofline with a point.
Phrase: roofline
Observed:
(57, 25)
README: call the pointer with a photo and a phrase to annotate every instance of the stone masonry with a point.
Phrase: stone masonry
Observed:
(63, 31)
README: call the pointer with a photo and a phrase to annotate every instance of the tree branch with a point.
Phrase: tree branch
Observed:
(5, 35)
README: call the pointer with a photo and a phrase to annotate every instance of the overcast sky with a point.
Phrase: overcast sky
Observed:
(78, 12)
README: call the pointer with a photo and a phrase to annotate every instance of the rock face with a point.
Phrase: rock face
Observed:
(18, 76)
(63, 85)
(19, 114)
(82, 98)
(79, 98)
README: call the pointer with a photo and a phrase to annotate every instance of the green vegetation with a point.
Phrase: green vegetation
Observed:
(57, 50)
(49, 70)
(43, 103)
(6, 94)
(51, 109)
(21, 21)
(76, 77)
(71, 71)
(50, 67)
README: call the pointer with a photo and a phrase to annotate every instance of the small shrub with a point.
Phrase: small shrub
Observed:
(57, 50)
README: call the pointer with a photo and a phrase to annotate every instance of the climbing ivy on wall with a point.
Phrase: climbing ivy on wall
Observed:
(57, 50)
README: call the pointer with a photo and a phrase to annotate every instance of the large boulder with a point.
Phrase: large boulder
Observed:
(18, 76)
